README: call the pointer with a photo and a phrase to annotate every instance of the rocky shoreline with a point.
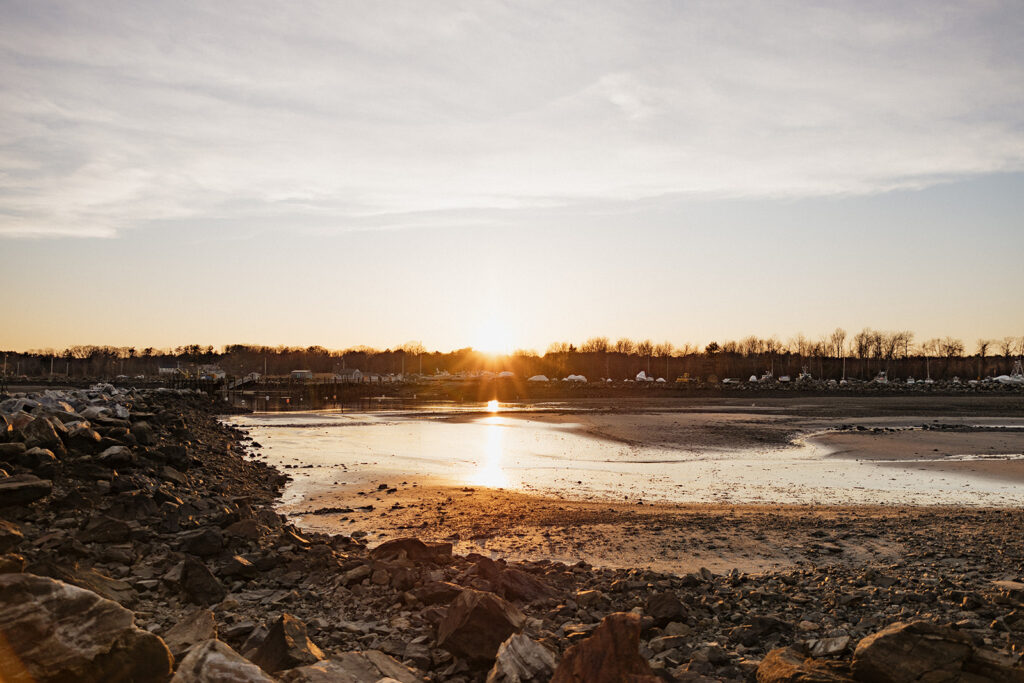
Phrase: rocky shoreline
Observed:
(138, 541)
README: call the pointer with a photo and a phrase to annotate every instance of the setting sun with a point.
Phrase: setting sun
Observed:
(493, 337)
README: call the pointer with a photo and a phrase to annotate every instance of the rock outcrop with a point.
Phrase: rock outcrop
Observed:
(371, 666)
(609, 655)
(923, 651)
(286, 646)
(214, 662)
(476, 624)
(788, 665)
(60, 632)
(522, 660)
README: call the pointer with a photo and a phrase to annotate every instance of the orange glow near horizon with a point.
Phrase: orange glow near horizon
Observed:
(492, 405)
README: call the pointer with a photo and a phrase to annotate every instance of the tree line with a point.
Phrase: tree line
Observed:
(858, 356)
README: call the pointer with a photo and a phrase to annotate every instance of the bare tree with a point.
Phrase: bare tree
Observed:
(838, 341)
(951, 347)
(595, 345)
(626, 346)
(751, 346)
(687, 349)
(417, 349)
(862, 343)
(800, 345)
(983, 346)
(644, 349)
(664, 350)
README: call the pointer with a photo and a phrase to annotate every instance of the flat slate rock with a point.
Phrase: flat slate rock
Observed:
(23, 489)
(198, 626)
(522, 660)
(214, 662)
(370, 666)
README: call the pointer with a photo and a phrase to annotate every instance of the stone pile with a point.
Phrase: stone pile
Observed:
(138, 541)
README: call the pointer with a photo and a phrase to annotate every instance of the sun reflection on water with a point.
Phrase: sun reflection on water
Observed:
(489, 470)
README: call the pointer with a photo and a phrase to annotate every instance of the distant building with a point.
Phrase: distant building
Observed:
(349, 375)
(168, 370)
(302, 374)
(211, 372)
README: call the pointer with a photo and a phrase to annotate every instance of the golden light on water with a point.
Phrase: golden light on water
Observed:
(489, 470)
(492, 405)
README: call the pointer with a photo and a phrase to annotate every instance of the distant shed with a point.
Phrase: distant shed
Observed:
(349, 375)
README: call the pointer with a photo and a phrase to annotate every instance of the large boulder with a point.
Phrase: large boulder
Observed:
(353, 667)
(198, 584)
(286, 646)
(522, 660)
(665, 607)
(437, 592)
(23, 489)
(610, 655)
(412, 549)
(788, 665)
(757, 629)
(104, 529)
(476, 624)
(117, 590)
(10, 452)
(41, 432)
(84, 438)
(214, 662)
(41, 461)
(59, 632)
(921, 650)
(198, 626)
(116, 456)
(10, 536)
(144, 434)
(908, 651)
(515, 584)
(204, 542)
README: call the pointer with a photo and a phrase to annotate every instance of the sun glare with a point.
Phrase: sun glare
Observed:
(492, 405)
(493, 337)
(490, 471)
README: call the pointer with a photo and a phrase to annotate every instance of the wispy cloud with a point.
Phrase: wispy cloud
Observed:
(116, 115)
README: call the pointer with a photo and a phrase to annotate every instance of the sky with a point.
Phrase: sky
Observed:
(508, 174)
